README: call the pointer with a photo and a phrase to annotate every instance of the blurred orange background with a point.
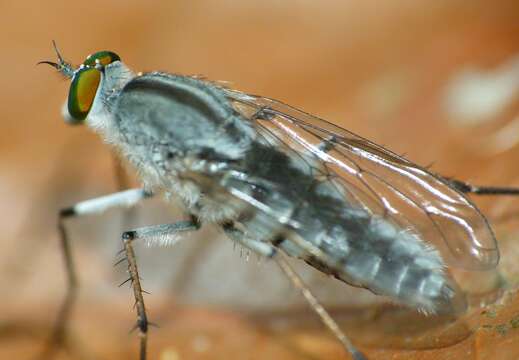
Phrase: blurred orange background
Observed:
(437, 80)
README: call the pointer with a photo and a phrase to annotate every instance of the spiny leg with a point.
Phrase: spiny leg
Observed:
(158, 233)
(280, 257)
(58, 338)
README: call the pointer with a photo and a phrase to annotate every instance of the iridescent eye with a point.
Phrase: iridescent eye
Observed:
(82, 92)
(103, 57)
(85, 83)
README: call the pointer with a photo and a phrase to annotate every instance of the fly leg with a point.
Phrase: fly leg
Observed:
(149, 234)
(467, 188)
(59, 338)
(326, 318)
(259, 247)
(280, 257)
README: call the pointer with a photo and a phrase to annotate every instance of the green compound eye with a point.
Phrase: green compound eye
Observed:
(101, 57)
(82, 92)
(85, 82)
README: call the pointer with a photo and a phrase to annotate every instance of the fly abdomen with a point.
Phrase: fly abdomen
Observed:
(310, 220)
(388, 261)
(402, 278)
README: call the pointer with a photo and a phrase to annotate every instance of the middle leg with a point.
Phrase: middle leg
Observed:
(159, 233)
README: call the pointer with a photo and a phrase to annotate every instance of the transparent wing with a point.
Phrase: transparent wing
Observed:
(376, 179)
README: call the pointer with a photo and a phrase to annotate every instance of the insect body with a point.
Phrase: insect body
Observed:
(186, 139)
(277, 179)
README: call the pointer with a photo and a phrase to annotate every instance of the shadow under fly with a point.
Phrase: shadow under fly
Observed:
(281, 183)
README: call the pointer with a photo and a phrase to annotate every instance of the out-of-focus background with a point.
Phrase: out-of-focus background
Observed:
(437, 80)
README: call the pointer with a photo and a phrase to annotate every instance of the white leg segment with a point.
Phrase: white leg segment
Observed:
(164, 234)
(256, 246)
(127, 198)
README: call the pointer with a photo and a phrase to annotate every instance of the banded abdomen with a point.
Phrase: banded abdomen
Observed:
(326, 231)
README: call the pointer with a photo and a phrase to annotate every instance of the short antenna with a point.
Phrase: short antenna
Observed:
(62, 66)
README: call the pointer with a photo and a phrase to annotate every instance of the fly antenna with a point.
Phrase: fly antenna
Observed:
(60, 58)
(62, 66)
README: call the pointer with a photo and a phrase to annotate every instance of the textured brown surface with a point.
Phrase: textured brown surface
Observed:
(380, 69)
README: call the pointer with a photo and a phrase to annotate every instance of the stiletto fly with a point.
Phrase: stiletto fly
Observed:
(280, 182)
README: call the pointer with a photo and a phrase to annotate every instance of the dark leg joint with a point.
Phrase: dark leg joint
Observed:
(142, 324)
(196, 221)
(276, 242)
(357, 355)
(128, 236)
(467, 188)
(460, 185)
(67, 212)
(228, 225)
(147, 194)
(273, 253)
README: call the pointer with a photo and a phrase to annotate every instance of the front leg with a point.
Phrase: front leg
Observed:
(98, 205)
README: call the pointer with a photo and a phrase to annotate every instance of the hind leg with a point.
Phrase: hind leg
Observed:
(280, 257)
(467, 188)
